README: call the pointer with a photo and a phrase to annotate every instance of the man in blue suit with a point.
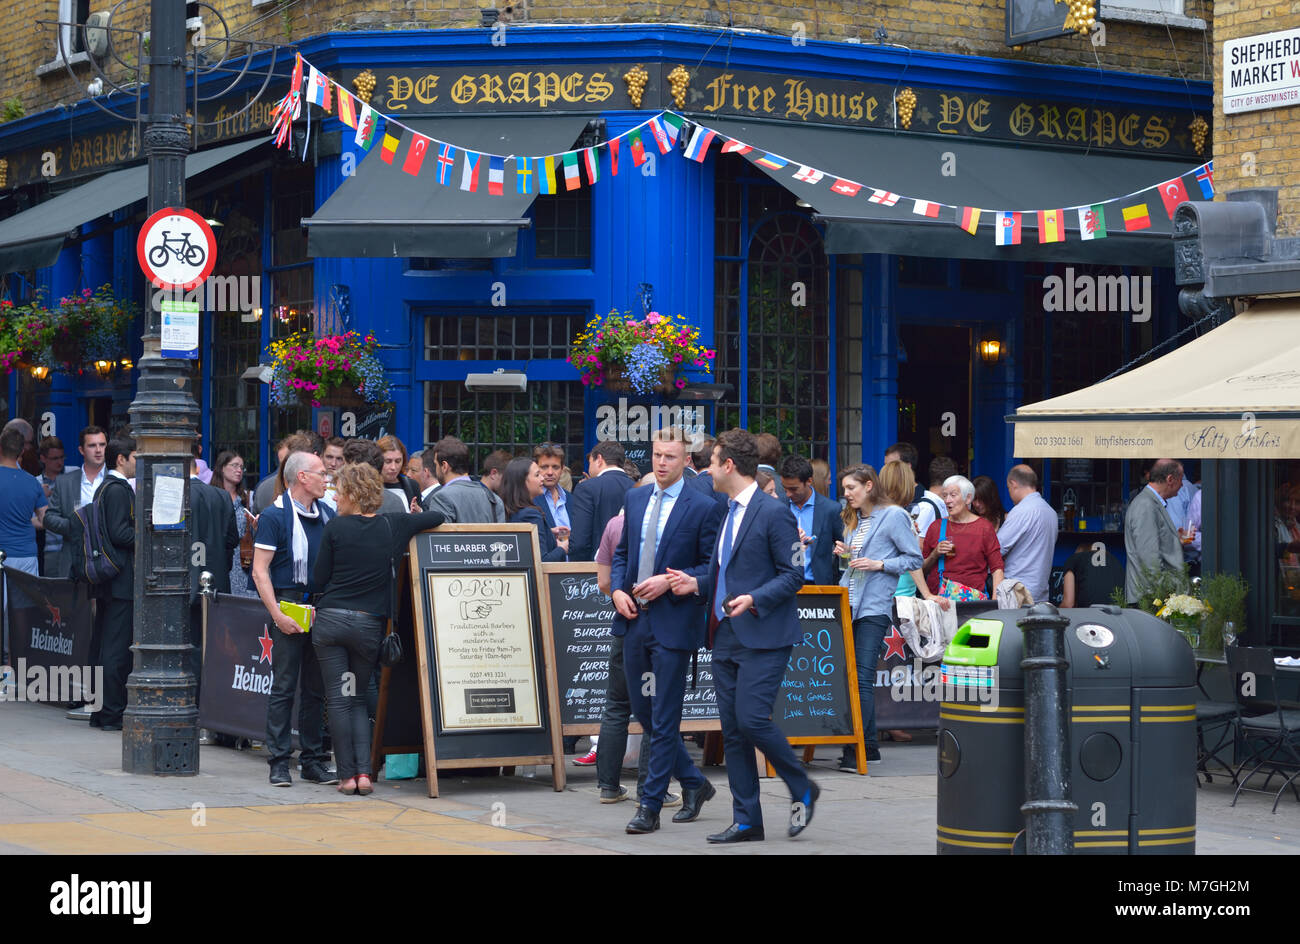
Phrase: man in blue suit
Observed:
(701, 454)
(819, 520)
(596, 499)
(750, 583)
(668, 525)
(554, 500)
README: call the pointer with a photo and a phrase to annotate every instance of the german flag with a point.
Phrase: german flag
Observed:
(1136, 217)
(970, 219)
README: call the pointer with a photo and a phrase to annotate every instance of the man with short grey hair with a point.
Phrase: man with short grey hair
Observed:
(1150, 538)
(1028, 535)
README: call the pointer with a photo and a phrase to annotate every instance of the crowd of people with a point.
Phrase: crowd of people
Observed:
(708, 548)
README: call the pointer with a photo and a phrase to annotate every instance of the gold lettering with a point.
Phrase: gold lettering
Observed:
(99, 149)
(951, 111)
(769, 93)
(978, 109)
(599, 88)
(821, 104)
(1103, 128)
(1021, 120)
(1076, 124)
(424, 89)
(490, 90)
(752, 100)
(839, 105)
(518, 85)
(855, 107)
(719, 89)
(872, 105)
(798, 100)
(735, 96)
(1157, 135)
(399, 90)
(463, 91)
(1049, 116)
(548, 88)
(571, 87)
(1128, 129)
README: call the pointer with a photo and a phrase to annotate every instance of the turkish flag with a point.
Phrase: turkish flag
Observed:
(1173, 193)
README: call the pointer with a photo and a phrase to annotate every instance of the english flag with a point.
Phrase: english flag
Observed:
(883, 197)
(808, 175)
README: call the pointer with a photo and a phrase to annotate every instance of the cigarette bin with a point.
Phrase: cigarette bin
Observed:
(1132, 705)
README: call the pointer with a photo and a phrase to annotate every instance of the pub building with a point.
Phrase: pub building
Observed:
(842, 322)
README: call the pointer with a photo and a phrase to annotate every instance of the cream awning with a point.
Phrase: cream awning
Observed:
(1233, 393)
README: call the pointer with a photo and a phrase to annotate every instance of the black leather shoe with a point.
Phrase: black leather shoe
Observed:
(319, 773)
(734, 833)
(801, 815)
(692, 800)
(645, 821)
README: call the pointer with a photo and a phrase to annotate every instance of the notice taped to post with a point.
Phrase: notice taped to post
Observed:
(486, 663)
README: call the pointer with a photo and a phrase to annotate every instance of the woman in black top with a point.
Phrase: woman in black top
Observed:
(353, 578)
(520, 486)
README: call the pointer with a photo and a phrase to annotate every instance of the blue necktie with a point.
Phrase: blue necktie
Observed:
(724, 558)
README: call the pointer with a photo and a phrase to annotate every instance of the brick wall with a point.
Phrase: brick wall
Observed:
(974, 28)
(1265, 142)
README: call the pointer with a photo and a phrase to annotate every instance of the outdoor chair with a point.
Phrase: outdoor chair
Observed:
(1216, 720)
(1272, 740)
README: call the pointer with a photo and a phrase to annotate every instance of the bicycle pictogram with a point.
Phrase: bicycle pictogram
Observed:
(178, 247)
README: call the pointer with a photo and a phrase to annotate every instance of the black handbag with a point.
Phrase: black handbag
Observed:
(390, 647)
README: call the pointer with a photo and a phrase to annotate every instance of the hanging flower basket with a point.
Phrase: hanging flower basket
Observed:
(622, 354)
(334, 370)
(85, 329)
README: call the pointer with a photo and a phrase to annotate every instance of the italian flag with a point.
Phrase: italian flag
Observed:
(592, 162)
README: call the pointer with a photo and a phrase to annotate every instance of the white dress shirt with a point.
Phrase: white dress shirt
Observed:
(89, 485)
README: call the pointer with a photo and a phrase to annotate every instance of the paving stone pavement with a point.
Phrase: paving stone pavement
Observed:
(62, 790)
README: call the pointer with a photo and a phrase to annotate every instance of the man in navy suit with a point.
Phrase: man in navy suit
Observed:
(750, 583)
(818, 518)
(554, 500)
(701, 454)
(596, 499)
(668, 525)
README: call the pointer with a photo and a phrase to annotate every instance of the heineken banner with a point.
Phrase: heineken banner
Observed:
(50, 625)
(237, 670)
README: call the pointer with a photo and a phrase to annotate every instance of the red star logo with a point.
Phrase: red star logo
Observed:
(54, 615)
(266, 641)
(894, 643)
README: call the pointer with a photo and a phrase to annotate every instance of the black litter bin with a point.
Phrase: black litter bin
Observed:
(1132, 703)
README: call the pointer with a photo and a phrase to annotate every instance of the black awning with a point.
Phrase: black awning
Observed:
(33, 238)
(989, 176)
(382, 211)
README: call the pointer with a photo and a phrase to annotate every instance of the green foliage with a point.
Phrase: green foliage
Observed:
(13, 109)
(1158, 583)
(1225, 594)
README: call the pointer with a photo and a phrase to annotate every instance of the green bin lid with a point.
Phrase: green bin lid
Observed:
(976, 643)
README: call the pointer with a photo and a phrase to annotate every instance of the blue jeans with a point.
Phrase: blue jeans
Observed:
(868, 636)
(347, 643)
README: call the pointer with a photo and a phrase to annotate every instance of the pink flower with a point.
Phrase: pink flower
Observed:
(585, 380)
(681, 384)
(591, 358)
(677, 358)
(653, 318)
(709, 354)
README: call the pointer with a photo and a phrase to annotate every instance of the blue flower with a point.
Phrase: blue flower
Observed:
(645, 367)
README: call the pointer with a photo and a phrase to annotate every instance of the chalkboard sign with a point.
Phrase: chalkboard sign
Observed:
(582, 623)
(1077, 471)
(485, 650)
(818, 699)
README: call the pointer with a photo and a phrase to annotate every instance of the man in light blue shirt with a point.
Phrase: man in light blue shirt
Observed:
(554, 500)
(1028, 536)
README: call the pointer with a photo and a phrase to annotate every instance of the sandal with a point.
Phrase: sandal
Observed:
(364, 786)
(348, 787)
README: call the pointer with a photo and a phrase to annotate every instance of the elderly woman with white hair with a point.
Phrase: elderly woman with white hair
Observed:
(961, 551)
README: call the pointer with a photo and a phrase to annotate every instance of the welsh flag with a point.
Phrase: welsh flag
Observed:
(366, 126)
(1092, 222)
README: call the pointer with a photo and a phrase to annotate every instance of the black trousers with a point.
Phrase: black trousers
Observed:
(347, 644)
(115, 620)
(294, 659)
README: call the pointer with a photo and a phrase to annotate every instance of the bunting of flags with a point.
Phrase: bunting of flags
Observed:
(544, 174)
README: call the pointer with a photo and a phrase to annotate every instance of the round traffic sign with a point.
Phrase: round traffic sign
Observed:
(176, 249)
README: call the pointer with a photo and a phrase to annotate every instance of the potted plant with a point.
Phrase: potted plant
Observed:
(1186, 614)
(85, 328)
(340, 369)
(1225, 598)
(25, 333)
(645, 356)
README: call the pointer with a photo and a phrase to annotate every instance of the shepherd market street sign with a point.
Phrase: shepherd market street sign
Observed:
(1261, 72)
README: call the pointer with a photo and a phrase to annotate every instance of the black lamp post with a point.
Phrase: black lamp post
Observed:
(160, 727)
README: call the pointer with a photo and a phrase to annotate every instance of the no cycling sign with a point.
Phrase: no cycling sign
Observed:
(176, 249)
